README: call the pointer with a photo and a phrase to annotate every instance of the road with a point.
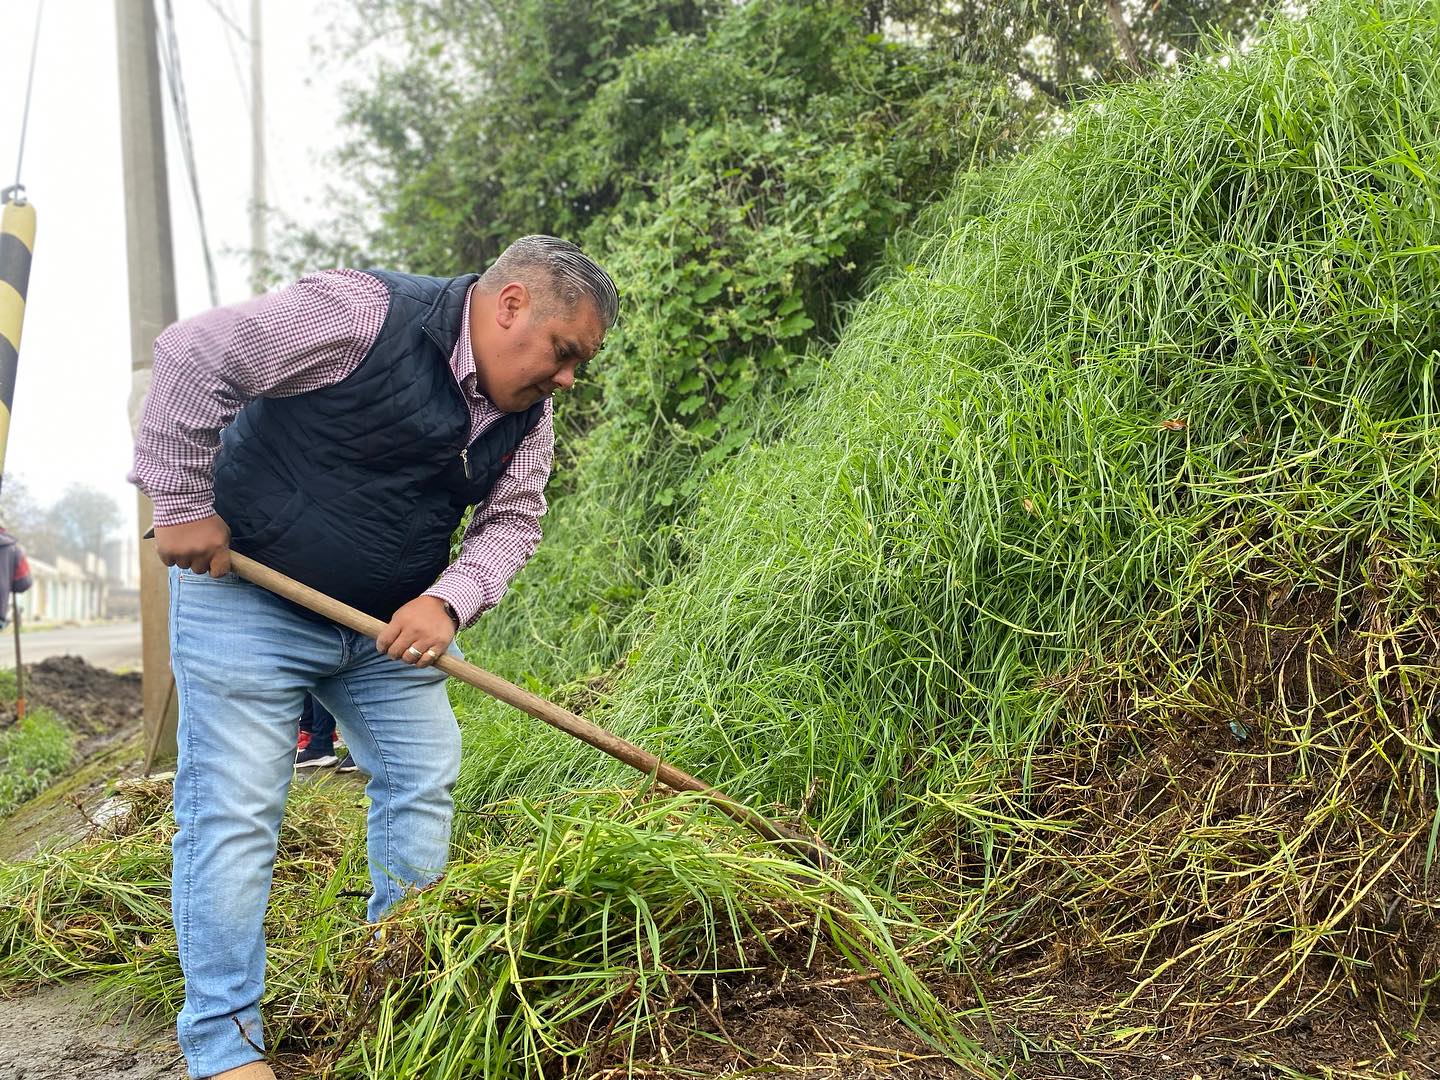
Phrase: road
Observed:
(108, 645)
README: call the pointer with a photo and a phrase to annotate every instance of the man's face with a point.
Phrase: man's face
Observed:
(520, 359)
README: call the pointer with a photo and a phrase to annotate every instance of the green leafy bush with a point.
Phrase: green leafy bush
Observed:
(766, 169)
(465, 136)
(756, 175)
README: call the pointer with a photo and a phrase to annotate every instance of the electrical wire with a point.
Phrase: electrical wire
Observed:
(229, 20)
(242, 81)
(17, 192)
(170, 55)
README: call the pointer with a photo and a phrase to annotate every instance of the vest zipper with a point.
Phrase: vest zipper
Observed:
(465, 461)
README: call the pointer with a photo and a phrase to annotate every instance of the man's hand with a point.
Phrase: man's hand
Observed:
(419, 633)
(198, 546)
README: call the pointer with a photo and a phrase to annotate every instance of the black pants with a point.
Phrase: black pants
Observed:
(316, 719)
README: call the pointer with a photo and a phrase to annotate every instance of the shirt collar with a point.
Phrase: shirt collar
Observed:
(462, 360)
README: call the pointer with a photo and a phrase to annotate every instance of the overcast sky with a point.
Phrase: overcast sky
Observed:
(69, 419)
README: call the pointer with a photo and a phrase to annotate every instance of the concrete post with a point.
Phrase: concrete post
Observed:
(151, 267)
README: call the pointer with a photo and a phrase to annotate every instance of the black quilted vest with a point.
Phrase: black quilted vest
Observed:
(356, 488)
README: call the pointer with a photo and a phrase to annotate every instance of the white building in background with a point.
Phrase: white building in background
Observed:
(65, 591)
(122, 562)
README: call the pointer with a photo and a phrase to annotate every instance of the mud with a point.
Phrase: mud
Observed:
(65, 1032)
(104, 711)
(93, 701)
(834, 1027)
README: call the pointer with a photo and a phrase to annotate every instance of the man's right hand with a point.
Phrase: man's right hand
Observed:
(198, 546)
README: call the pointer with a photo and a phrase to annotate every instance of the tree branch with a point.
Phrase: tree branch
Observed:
(1063, 95)
(1044, 85)
(1123, 38)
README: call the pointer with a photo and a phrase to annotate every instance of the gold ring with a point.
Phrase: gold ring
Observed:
(413, 649)
(431, 653)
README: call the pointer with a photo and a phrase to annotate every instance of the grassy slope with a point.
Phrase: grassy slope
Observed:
(1133, 466)
(1090, 605)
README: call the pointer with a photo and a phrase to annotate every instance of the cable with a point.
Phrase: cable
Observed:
(170, 53)
(242, 80)
(17, 192)
(228, 19)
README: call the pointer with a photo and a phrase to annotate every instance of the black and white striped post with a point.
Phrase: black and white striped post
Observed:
(17, 241)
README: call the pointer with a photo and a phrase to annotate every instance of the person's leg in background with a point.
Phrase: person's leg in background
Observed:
(243, 661)
(316, 746)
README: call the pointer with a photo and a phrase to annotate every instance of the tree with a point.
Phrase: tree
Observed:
(18, 510)
(26, 519)
(464, 140)
(1063, 48)
(81, 519)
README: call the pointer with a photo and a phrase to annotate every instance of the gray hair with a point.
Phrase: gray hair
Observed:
(558, 271)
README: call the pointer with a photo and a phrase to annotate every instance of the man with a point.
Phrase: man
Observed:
(337, 430)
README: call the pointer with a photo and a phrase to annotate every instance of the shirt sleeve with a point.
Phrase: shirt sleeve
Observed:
(306, 336)
(503, 532)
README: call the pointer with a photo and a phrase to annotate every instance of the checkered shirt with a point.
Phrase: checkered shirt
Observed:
(310, 335)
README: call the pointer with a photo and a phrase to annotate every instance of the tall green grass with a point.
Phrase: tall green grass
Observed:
(577, 948)
(33, 752)
(1157, 397)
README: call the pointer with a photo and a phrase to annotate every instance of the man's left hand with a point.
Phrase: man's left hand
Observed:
(419, 633)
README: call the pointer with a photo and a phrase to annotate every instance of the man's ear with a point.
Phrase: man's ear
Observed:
(513, 299)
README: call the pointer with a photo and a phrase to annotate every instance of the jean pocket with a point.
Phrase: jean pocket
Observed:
(189, 577)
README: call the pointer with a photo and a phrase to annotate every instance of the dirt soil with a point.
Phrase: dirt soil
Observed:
(835, 1028)
(97, 704)
(61, 1032)
(105, 712)
(812, 1016)
(1067, 1026)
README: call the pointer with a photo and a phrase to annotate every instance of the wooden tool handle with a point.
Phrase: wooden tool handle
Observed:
(552, 714)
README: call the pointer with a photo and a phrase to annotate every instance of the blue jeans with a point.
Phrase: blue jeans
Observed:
(244, 660)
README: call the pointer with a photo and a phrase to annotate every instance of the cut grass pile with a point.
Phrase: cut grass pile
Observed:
(1089, 606)
(565, 940)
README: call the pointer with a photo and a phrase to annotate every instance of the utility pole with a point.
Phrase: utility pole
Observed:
(257, 155)
(151, 266)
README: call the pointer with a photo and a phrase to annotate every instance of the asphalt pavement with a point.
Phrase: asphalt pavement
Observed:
(114, 645)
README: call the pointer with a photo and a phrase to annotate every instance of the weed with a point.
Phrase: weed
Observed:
(33, 752)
